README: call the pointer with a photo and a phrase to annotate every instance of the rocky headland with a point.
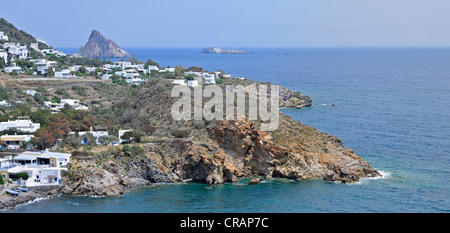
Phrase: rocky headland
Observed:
(99, 46)
(211, 152)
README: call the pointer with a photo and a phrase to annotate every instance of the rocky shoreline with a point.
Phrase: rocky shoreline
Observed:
(8, 202)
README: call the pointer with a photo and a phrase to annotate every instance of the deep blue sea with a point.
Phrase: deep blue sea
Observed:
(392, 108)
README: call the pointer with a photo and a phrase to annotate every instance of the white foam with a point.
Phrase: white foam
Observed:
(384, 175)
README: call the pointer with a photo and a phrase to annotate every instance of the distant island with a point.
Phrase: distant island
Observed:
(215, 50)
(101, 47)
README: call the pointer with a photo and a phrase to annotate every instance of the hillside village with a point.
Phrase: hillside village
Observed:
(27, 128)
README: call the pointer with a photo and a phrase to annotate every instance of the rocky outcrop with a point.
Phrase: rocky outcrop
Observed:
(8, 201)
(293, 99)
(215, 50)
(288, 98)
(99, 46)
(211, 152)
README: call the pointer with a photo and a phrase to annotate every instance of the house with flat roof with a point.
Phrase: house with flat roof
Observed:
(3, 36)
(22, 123)
(14, 141)
(44, 157)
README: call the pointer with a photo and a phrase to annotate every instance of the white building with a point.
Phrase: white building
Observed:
(72, 103)
(54, 51)
(179, 82)
(42, 167)
(135, 81)
(16, 68)
(43, 65)
(4, 55)
(96, 134)
(44, 157)
(35, 46)
(22, 123)
(3, 36)
(167, 70)
(121, 133)
(6, 162)
(106, 76)
(39, 40)
(15, 141)
(64, 74)
(3, 103)
(150, 68)
(20, 51)
(209, 78)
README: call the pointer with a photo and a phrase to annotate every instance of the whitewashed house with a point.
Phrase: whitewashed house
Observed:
(150, 68)
(209, 78)
(20, 51)
(22, 123)
(6, 162)
(135, 81)
(179, 82)
(3, 36)
(106, 76)
(42, 167)
(72, 103)
(54, 51)
(40, 40)
(16, 68)
(96, 134)
(15, 141)
(3, 103)
(43, 65)
(167, 70)
(4, 55)
(121, 133)
(35, 46)
(8, 45)
(65, 74)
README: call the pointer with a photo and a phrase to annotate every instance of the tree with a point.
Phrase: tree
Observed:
(106, 140)
(80, 120)
(133, 60)
(82, 69)
(41, 116)
(179, 70)
(57, 129)
(150, 62)
(22, 175)
(72, 141)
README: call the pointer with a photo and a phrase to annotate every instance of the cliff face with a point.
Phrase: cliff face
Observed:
(212, 152)
(101, 47)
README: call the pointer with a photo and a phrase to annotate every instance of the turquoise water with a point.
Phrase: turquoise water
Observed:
(392, 108)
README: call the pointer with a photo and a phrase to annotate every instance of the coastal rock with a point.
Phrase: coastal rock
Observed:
(255, 181)
(89, 180)
(215, 50)
(288, 98)
(99, 46)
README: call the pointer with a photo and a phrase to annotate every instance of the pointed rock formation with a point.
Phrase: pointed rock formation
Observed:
(101, 47)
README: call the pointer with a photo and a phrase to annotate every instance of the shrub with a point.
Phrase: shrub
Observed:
(22, 175)
(181, 133)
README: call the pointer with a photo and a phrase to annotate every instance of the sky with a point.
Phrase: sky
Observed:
(235, 23)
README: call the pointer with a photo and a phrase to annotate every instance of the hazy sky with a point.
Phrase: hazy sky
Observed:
(235, 23)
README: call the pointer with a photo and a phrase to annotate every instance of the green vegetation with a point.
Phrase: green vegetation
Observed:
(22, 175)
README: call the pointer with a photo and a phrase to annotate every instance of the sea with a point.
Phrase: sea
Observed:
(390, 105)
